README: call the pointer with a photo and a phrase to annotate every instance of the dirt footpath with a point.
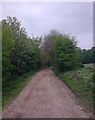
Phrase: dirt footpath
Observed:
(45, 96)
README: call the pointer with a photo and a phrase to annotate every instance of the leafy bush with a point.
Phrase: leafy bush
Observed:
(61, 51)
(66, 52)
(21, 53)
(7, 46)
(80, 65)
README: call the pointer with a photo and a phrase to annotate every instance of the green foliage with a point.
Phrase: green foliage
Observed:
(94, 89)
(93, 54)
(66, 52)
(0, 51)
(61, 51)
(80, 65)
(48, 48)
(26, 56)
(11, 89)
(7, 45)
(21, 53)
(86, 56)
(80, 81)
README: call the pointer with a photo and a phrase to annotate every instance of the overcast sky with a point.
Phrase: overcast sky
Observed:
(39, 18)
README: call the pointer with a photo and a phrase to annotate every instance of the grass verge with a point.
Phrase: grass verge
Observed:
(11, 90)
(80, 81)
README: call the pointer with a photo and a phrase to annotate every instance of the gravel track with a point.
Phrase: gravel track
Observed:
(45, 96)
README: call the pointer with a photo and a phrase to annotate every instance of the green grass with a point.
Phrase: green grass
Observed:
(11, 90)
(80, 81)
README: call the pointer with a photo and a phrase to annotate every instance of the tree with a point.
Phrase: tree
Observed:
(7, 46)
(48, 47)
(66, 52)
(25, 54)
(61, 50)
(93, 54)
(86, 56)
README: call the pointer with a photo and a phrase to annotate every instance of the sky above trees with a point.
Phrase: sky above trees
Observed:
(40, 18)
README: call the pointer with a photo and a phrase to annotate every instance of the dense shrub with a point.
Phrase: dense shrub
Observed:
(61, 50)
(7, 46)
(66, 52)
(86, 56)
(21, 53)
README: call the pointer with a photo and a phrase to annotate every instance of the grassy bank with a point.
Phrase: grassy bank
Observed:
(13, 88)
(80, 81)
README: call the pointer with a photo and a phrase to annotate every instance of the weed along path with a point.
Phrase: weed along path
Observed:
(45, 96)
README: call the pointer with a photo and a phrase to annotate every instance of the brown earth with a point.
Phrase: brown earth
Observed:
(45, 96)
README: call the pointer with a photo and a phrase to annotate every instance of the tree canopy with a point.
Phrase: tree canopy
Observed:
(21, 54)
(61, 50)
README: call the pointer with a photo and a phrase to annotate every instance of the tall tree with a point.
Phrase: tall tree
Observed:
(61, 50)
(7, 46)
(66, 52)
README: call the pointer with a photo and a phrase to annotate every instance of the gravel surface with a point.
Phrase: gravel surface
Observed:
(45, 96)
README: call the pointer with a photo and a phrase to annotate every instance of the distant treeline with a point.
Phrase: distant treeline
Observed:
(86, 56)
(21, 54)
